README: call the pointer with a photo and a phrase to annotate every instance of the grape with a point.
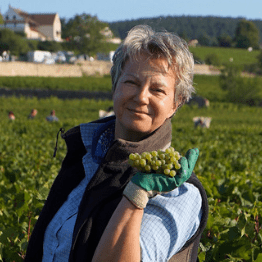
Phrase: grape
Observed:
(155, 167)
(142, 162)
(154, 153)
(148, 156)
(132, 156)
(167, 171)
(161, 162)
(162, 156)
(173, 159)
(148, 168)
(170, 166)
(144, 154)
(177, 165)
(172, 173)
(168, 150)
(158, 163)
(137, 163)
(152, 163)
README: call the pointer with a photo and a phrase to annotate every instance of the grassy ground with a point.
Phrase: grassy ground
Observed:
(240, 56)
(206, 86)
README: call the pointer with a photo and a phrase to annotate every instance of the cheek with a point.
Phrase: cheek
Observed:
(166, 107)
(122, 95)
(118, 100)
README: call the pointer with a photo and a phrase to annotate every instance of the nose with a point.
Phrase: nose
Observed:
(142, 95)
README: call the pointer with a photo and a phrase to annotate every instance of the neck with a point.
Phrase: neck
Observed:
(128, 135)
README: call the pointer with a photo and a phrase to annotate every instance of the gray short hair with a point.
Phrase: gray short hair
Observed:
(142, 39)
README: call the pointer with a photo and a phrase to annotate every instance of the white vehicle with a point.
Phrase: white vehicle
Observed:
(106, 57)
(60, 57)
(39, 56)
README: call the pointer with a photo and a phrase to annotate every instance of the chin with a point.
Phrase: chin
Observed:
(141, 129)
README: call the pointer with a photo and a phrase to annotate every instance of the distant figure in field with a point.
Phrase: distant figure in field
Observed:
(33, 114)
(200, 101)
(202, 121)
(52, 117)
(11, 115)
(108, 112)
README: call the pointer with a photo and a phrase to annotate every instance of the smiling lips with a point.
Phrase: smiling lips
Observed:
(138, 111)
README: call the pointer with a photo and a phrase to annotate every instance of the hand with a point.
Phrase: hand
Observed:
(144, 186)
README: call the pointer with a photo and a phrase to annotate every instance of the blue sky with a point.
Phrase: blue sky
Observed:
(117, 10)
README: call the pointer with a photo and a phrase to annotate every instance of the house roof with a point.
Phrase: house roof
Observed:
(43, 19)
(36, 19)
(20, 12)
(26, 16)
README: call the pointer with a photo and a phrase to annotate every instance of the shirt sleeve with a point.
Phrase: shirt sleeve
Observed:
(169, 220)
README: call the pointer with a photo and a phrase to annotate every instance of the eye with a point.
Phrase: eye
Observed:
(159, 90)
(130, 82)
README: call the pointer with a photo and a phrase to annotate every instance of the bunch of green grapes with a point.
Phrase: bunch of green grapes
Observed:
(161, 162)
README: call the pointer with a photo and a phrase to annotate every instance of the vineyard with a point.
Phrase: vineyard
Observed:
(229, 166)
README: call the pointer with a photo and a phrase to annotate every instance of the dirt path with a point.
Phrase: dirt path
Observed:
(76, 70)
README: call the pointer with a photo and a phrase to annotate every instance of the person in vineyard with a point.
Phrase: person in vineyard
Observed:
(11, 115)
(32, 114)
(52, 117)
(100, 208)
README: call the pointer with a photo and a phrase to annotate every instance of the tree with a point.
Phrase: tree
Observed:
(82, 34)
(9, 41)
(246, 35)
(244, 90)
(32, 44)
(224, 40)
(204, 40)
(213, 59)
(1, 19)
(51, 46)
(184, 36)
(259, 59)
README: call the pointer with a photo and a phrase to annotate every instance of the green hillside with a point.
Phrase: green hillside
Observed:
(189, 27)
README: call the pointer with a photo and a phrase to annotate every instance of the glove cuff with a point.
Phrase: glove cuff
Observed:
(136, 195)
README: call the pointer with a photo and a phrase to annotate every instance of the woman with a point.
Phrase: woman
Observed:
(99, 208)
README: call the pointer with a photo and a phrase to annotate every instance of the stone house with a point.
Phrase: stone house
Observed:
(193, 43)
(108, 34)
(35, 26)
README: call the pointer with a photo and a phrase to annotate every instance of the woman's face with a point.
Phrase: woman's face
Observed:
(143, 98)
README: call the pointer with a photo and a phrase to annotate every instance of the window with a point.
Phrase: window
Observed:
(7, 17)
(14, 17)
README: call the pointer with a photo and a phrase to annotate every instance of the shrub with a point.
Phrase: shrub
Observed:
(213, 59)
(259, 59)
(51, 46)
(244, 90)
(9, 41)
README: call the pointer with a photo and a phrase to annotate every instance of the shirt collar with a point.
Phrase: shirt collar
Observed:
(103, 138)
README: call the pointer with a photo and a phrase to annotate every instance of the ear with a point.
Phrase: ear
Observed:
(175, 107)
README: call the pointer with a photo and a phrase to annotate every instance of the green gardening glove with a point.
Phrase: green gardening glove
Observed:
(144, 186)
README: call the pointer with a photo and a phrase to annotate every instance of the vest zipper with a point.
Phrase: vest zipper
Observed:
(62, 130)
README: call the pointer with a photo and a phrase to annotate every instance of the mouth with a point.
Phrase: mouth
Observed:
(140, 112)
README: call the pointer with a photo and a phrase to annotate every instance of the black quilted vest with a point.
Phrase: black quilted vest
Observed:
(102, 195)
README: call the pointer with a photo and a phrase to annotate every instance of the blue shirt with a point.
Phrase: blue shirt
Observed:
(52, 118)
(169, 220)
